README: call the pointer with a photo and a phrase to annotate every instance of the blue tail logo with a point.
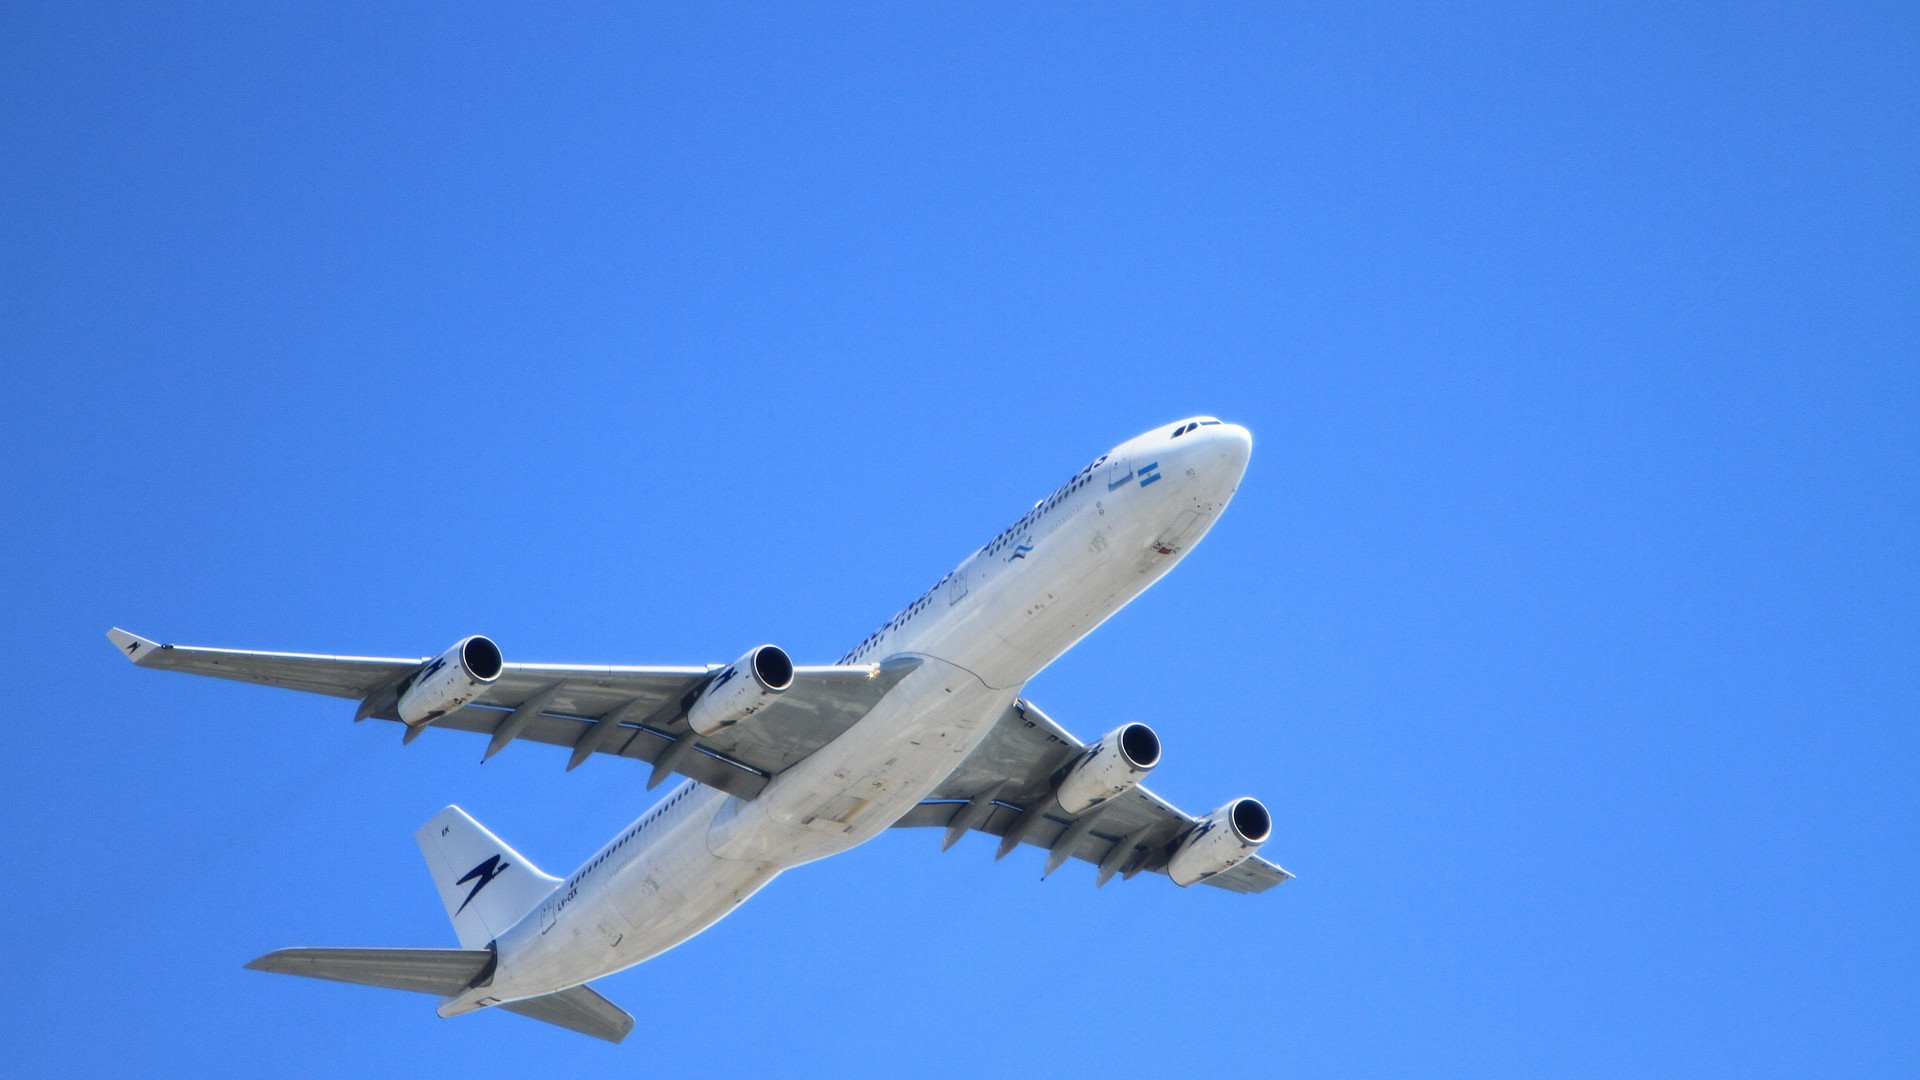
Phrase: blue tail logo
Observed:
(485, 872)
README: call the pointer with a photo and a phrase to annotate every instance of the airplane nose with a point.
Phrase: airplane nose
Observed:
(1225, 450)
(1236, 446)
(1215, 454)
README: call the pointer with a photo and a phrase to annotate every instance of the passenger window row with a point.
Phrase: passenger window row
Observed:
(631, 833)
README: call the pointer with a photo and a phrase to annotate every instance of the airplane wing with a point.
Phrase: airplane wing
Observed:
(631, 712)
(1005, 787)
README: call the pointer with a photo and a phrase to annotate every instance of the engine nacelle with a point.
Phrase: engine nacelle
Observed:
(1223, 840)
(746, 686)
(1110, 767)
(450, 680)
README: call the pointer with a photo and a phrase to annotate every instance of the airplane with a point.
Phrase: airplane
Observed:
(920, 724)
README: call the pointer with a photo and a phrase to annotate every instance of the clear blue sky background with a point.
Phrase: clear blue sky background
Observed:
(1567, 620)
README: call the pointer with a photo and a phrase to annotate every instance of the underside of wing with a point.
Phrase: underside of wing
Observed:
(1007, 788)
(335, 676)
(631, 712)
(626, 718)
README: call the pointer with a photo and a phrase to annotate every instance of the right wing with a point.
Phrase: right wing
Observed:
(631, 712)
(1004, 788)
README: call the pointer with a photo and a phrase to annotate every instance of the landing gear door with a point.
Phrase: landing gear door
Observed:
(1180, 534)
(1119, 471)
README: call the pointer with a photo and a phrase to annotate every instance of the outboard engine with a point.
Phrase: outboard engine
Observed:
(743, 688)
(450, 680)
(1221, 841)
(1110, 767)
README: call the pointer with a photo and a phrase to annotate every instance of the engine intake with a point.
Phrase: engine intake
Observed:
(743, 688)
(1110, 767)
(450, 680)
(1221, 841)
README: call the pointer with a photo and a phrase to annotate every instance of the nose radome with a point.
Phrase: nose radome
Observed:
(1222, 433)
(1236, 444)
(1229, 448)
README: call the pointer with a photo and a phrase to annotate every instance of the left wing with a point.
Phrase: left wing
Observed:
(632, 712)
(1005, 788)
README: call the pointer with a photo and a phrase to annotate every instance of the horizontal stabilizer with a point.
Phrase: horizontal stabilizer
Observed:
(425, 971)
(580, 1009)
(447, 972)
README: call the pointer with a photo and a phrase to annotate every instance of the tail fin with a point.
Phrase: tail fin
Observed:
(486, 885)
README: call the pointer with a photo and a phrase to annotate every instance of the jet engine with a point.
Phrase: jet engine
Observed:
(450, 680)
(1110, 767)
(1222, 840)
(743, 688)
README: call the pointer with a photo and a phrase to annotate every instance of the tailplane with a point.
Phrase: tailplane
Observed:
(425, 971)
(580, 1009)
(485, 885)
(447, 972)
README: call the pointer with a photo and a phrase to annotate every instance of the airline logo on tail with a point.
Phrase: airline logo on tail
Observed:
(485, 872)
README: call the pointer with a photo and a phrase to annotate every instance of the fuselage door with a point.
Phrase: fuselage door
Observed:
(1119, 471)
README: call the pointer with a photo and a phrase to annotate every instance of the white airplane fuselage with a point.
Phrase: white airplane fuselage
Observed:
(1008, 611)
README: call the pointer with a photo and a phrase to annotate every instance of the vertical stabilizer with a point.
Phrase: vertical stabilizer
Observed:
(486, 885)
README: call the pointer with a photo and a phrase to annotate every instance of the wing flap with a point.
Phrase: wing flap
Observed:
(639, 742)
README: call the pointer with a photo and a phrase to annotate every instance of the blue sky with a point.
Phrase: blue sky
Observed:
(1567, 618)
